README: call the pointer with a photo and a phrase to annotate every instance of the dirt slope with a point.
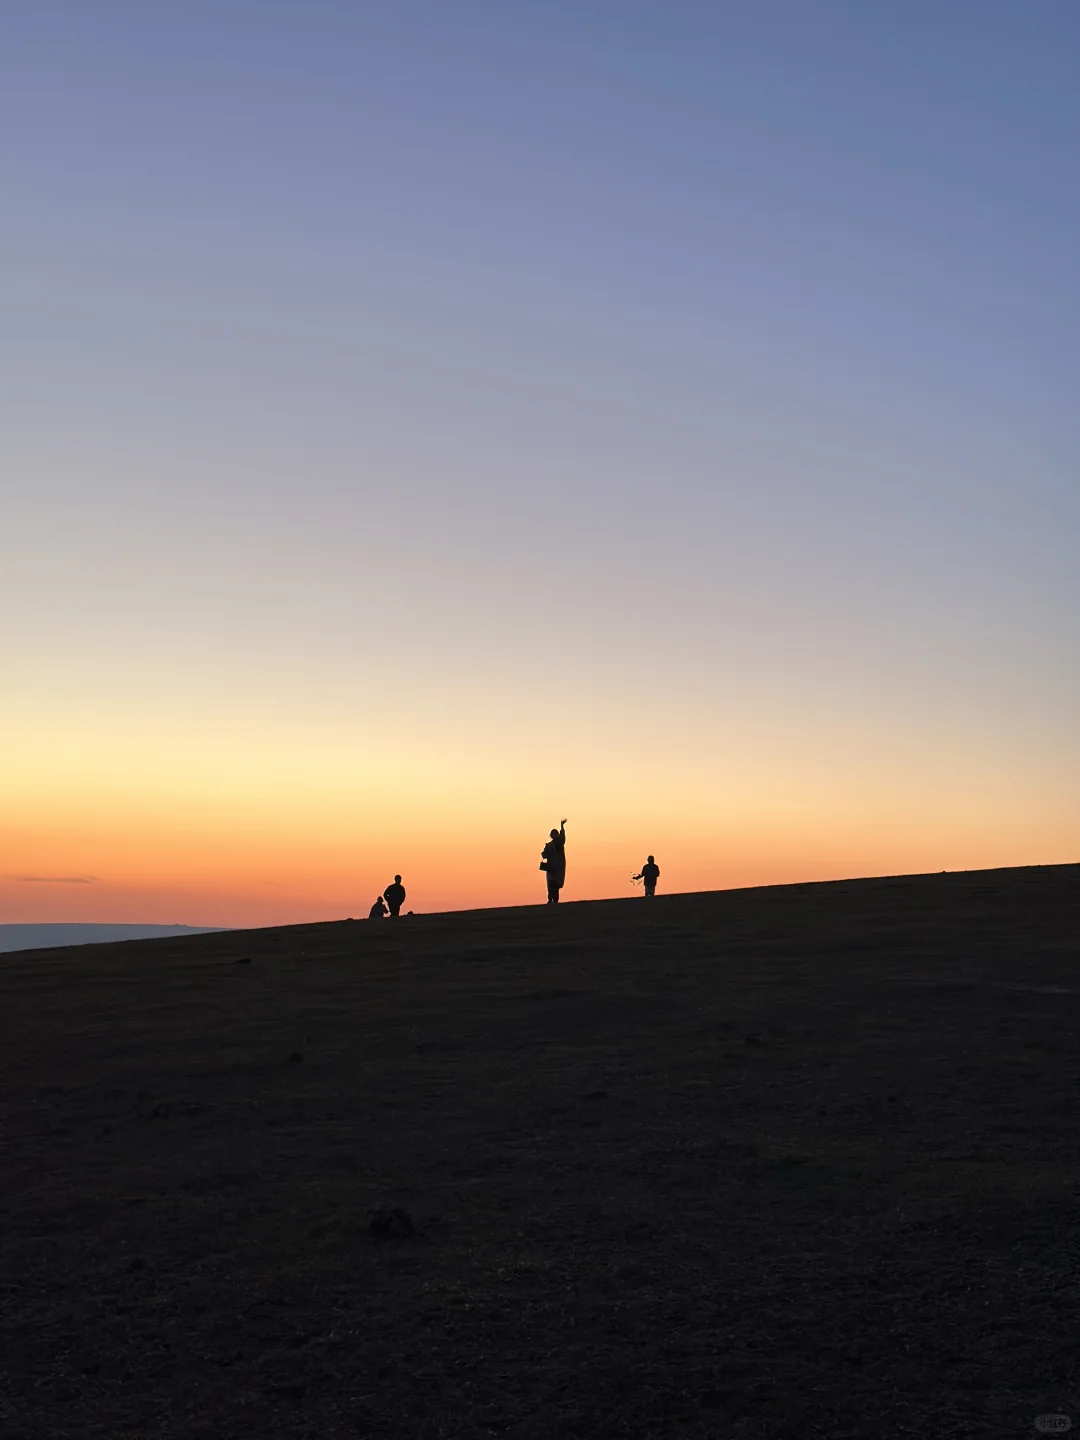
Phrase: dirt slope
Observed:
(788, 1162)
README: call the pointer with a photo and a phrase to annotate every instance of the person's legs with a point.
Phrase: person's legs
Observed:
(553, 890)
(394, 909)
(650, 891)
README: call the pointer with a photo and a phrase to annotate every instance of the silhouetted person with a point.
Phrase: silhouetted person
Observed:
(650, 873)
(394, 895)
(554, 862)
(377, 911)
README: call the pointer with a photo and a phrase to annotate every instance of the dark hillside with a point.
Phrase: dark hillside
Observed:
(42, 937)
(793, 1162)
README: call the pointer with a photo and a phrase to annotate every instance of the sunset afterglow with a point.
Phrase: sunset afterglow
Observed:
(414, 433)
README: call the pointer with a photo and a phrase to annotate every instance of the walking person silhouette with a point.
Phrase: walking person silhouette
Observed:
(394, 895)
(650, 873)
(554, 862)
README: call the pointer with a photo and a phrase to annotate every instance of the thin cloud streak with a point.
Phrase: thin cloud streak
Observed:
(55, 879)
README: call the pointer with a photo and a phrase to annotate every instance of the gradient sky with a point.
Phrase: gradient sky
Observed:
(420, 421)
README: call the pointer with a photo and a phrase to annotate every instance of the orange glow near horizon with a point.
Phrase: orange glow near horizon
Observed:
(283, 833)
(230, 895)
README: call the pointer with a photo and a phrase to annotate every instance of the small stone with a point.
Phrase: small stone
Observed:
(396, 1224)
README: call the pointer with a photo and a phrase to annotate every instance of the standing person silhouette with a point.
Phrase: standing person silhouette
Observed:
(554, 862)
(650, 873)
(394, 895)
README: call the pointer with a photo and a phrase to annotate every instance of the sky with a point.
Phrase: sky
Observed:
(420, 422)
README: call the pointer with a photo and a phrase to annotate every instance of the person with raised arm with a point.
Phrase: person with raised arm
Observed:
(554, 862)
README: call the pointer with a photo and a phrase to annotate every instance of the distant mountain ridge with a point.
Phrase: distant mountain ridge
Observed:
(52, 937)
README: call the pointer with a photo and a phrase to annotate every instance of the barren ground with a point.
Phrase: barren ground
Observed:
(794, 1162)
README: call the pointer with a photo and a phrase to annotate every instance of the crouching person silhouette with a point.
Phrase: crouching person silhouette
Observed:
(650, 873)
(554, 862)
(378, 910)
